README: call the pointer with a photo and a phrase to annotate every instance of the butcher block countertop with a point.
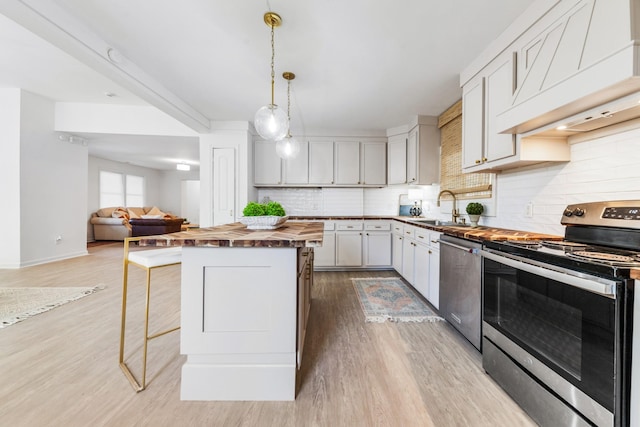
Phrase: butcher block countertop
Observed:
(479, 233)
(290, 235)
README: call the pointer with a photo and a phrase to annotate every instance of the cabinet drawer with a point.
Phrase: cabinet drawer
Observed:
(422, 235)
(409, 231)
(377, 226)
(349, 226)
(434, 236)
(397, 227)
(329, 226)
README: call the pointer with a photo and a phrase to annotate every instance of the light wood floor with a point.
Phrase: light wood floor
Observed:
(60, 368)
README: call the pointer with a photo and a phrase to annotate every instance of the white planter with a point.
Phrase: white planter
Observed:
(266, 222)
(473, 219)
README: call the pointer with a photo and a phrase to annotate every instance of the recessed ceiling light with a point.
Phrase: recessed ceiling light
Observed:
(110, 94)
(561, 127)
(183, 167)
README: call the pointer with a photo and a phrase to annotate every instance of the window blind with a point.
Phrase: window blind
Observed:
(464, 185)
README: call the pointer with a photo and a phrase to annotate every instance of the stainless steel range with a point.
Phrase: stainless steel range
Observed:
(558, 316)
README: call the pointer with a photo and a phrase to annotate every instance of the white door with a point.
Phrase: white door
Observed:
(224, 186)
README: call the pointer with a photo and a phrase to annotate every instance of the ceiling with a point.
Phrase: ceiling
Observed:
(360, 65)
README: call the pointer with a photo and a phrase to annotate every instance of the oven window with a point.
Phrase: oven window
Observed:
(571, 330)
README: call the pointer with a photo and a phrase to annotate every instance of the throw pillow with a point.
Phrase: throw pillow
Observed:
(132, 214)
(155, 211)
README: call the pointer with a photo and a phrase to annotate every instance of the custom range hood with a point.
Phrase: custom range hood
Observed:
(611, 113)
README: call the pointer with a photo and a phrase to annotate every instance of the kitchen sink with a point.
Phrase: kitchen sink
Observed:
(441, 223)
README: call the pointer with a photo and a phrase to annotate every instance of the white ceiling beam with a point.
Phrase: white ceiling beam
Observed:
(54, 24)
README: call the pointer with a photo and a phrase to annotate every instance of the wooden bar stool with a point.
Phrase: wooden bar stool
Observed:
(147, 260)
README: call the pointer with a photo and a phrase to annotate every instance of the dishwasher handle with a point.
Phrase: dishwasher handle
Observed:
(464, 248)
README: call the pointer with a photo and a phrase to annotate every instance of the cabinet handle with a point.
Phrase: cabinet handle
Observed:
(367, 234)
(484, 159)
(478, 162)
(420, 237)
(430, 251)
(434, 241)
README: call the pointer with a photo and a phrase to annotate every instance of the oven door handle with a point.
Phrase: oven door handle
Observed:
(592, 284)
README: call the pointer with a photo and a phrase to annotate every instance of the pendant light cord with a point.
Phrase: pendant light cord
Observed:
(289, 108)
(273, 55)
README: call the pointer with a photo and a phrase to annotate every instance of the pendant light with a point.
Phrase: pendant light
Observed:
(271, 122)
(288, 147)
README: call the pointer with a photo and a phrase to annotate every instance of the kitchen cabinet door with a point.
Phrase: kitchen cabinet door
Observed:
(325, 256)
(499, 87)
(320, 162)
(296, 171)
(473, 123)
(373, 164)
(347, 162)
(397, 160)
(349, 249)
(433, 293)
(267, 164)
(408, 253)
(377, 249)
(421, 269)
(412, 157)
(396, 248)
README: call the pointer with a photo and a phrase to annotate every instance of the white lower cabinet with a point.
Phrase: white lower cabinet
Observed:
(325, 256)
(349, 249)
(416, 256)
(355, 244)
(408, 259)
(396, 252)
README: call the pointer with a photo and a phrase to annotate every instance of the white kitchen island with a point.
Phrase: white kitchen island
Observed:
(244, 308)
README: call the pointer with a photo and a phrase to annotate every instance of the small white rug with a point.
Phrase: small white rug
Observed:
(17, 304)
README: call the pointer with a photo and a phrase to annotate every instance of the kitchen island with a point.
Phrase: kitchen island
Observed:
(245, 297)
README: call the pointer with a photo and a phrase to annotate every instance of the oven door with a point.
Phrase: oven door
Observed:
(564, 319)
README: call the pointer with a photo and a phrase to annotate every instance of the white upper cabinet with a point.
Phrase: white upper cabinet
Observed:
(267, 164)
(414, 157)
(397, 159)
(373, 164)
(296, 170)
(324, 163)
(483, 98)
(321, 162)
(347, 163)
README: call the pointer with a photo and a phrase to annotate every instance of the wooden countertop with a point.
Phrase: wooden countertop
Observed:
(479, 233)
(290, 235)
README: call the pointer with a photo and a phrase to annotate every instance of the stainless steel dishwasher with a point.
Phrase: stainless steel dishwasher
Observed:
(461, 286)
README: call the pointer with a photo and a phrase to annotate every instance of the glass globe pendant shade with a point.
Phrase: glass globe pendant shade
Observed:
(271, 122)
(287, 147)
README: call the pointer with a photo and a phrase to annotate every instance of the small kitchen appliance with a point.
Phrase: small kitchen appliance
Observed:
(558, 316)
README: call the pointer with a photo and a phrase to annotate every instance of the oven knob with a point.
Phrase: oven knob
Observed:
(578, 212)
(568, 212)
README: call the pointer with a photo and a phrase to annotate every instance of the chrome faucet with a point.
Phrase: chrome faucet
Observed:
(454, 211)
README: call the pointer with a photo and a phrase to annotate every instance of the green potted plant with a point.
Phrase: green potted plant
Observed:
(263, 216)
(474, 210)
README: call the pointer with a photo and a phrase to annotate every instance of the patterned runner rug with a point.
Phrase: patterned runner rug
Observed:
(390, 299)
(17, 304)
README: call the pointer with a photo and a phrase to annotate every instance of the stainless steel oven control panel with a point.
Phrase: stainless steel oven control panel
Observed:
(620, 213)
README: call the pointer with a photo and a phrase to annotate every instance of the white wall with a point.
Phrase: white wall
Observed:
(10, 244)
(171, 189)
(50, 177)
